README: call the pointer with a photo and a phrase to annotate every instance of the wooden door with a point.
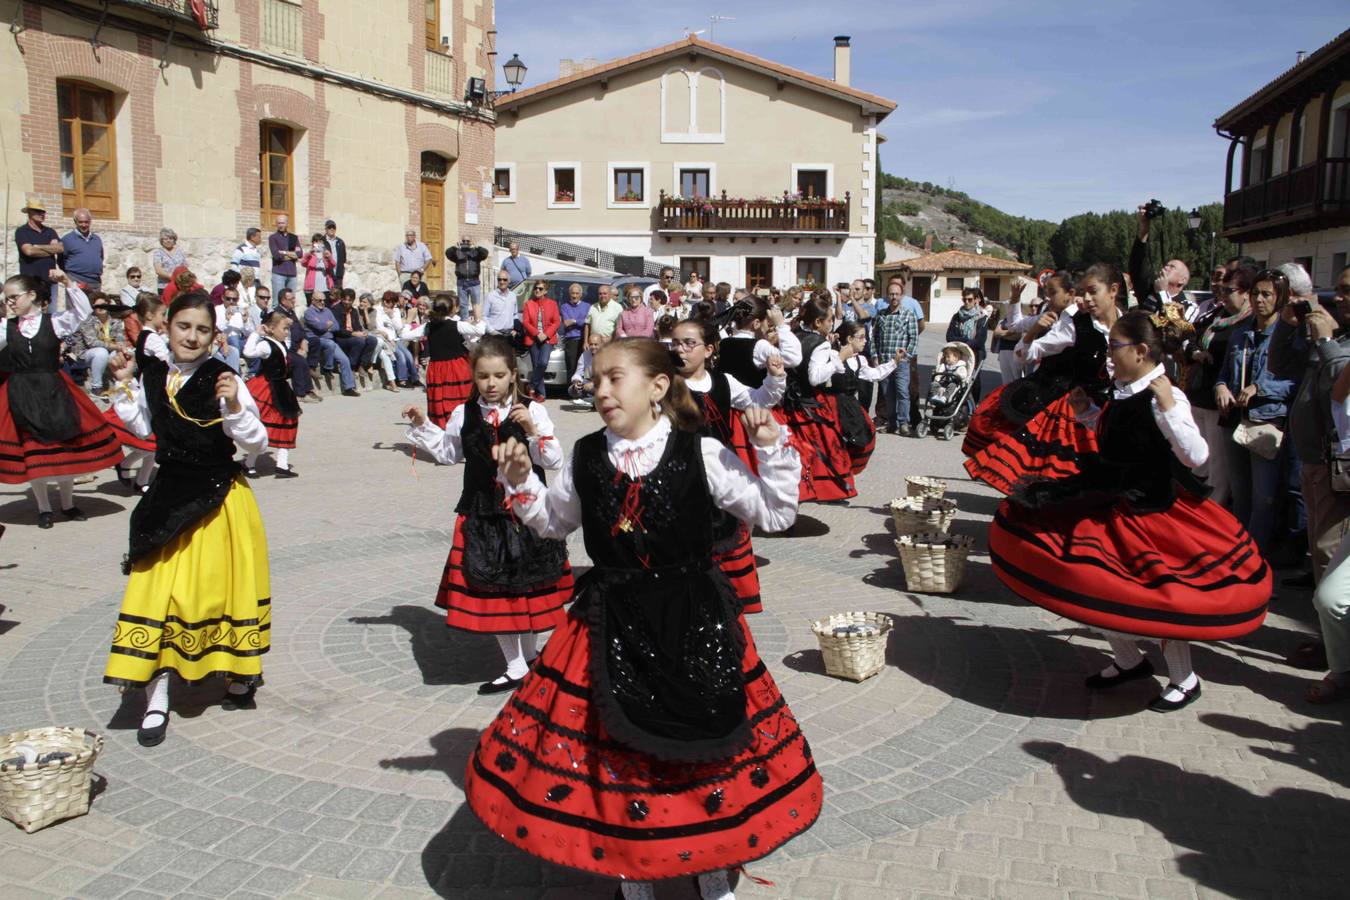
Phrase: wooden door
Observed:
(758, 272)
(433, 231)
(921, 289)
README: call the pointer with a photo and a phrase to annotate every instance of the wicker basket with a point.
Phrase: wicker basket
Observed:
(923, 486)
(934, 563)
(853, 644)
(33, 795)
(914, 515)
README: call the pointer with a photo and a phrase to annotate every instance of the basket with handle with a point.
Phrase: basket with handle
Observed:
(913, 515)
(44, 775)
(934, 562)
(853, 644)
(923, 486)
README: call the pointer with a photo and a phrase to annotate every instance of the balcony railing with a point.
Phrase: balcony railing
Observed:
(182, 11)
(761, 214)
(1299, 195)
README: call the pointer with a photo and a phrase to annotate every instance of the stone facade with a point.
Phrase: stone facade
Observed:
(187, 135)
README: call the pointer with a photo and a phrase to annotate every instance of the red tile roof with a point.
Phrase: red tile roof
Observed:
(956, 261)
(871, 103)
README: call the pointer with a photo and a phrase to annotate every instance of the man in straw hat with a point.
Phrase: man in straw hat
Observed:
(39, 246)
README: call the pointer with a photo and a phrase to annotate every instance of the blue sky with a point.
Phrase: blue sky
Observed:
(1045, 109)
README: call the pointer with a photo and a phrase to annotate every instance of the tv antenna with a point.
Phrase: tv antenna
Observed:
(688, 32)
(712, 23)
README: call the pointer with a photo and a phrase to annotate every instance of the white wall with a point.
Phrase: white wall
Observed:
(1322, 246)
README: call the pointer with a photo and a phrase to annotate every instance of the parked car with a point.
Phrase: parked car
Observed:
(557, 376)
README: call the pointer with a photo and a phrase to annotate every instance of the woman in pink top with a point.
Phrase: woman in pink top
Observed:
(636, 320)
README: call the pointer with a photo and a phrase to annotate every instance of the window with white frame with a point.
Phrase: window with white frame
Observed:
(504, 183)
(564, 185)
(810, 270)
(696, 180)
(629, 184)
(693, 106)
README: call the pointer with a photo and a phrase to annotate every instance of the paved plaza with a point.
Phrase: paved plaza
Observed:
(975, 765)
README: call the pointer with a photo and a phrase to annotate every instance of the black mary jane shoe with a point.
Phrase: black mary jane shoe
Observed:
(154, 736)
(75, 514)
(250, 473)
(1099, 681)
(241, 701)
(286, 472)
(45, 520)
(500, 685)
(1161, 704)
(125, 478)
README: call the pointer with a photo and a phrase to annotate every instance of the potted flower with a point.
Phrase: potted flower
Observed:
(562, 195)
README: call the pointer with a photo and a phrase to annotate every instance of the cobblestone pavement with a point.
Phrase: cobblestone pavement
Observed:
(974, 765)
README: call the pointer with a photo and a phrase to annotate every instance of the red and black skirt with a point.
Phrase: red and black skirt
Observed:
(737, 562)
(858, 431)
(548, 778)
(24, 458)
(128, 440)
(1047, 447)
(448, 385)
(1190, 572)
(487, 611)
(281, 429)
(827, 468)
(987, 424)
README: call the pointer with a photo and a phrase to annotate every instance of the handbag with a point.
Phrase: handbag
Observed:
(1261, 438)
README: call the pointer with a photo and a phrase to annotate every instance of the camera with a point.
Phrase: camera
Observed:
(1153, 209)
(1301, 309)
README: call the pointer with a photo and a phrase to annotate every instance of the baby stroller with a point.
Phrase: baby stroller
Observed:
(945, 406)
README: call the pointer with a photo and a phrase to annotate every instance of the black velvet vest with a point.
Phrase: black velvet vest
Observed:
(1082, 364)
(736, 357)
(276, 368)
(666, 643)
(40, 401)
(481, 495)
(845, 382)
(444, 340)
(197, 467)
(800, 392)
(717, 424)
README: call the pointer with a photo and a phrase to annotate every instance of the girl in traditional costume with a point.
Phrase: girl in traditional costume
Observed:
(278, 407)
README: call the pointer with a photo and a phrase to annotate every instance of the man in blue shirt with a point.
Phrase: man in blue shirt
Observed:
(573, 311)
(84, 252)
(516, 267)
(499, 307)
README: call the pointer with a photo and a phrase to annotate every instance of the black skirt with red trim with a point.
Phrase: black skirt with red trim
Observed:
(1047, 447)
(737, 562)
(548, 778)
(128, 440)
(470, 608)
(448, 385)
(827, 469)
(282, 430)
(1190, 572)
(24, 458)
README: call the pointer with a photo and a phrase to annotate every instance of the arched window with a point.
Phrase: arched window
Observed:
(88, 148)
(693, 107)
(276, 189)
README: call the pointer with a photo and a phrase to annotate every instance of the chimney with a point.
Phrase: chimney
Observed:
(841, 59)
(568, 67)
(928, 243)
(1300, 56)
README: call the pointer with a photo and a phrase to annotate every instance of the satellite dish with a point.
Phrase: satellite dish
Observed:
(979, 246)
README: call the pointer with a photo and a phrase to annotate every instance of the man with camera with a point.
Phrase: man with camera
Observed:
(1312, 341)
(1152, 290)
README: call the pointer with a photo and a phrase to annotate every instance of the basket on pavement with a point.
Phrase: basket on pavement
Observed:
(934, 563)
(923, 486)
(853, 644)
(44, 775)
(913, 515)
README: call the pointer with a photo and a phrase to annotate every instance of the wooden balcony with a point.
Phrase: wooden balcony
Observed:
(804, 217)
(1308, 198)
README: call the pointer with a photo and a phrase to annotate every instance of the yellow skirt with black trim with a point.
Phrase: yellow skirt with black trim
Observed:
(201, 605)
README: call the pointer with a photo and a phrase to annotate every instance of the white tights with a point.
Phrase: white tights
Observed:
(147, 463)
(65, 486)
(1177, 653)
(518, 649)
(282, 456)
(157, 694)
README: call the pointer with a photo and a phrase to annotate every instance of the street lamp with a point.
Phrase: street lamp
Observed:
(1196, 220)
(515, 71)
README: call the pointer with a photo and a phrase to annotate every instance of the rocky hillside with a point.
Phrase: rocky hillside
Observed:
(921, 214)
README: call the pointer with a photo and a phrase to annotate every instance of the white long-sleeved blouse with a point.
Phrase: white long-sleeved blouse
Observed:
(768, 501)
(245, 428)
(259, 345)
(788, 346)
(447, 448)
(742, 397)
(64, 323)
(858, 365)
(473, 330)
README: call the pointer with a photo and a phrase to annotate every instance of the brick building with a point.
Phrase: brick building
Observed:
(212, 121)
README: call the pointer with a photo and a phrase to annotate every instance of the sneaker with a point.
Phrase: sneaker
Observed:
(904, 430)
(392, 388)
(315, 397)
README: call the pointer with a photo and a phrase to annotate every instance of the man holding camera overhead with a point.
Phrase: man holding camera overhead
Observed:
(1152, 290)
